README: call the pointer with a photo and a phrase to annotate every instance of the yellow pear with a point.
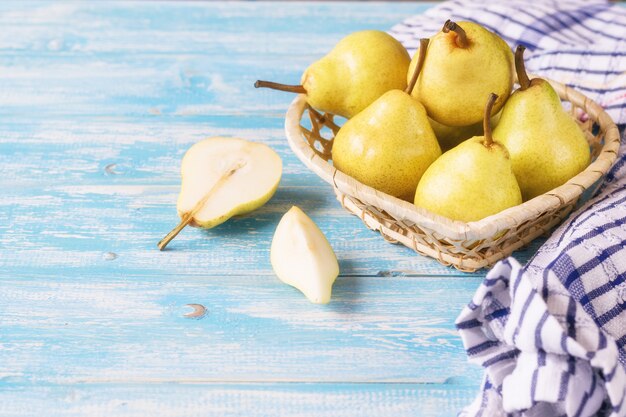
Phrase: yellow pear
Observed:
(464, 64)
(389, 145)
(546, 145)
(224, 177)
(471, 181)
(302, 257)
(451, 136)
(359, 69)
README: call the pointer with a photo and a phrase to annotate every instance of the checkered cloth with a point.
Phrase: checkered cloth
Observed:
(552, 334)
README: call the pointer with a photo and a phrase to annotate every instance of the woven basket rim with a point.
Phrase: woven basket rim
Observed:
(485, 228)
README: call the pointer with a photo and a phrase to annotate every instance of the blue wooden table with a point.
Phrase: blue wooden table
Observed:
(98, 103)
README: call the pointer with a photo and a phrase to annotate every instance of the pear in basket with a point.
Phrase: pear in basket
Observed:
(472, 181)
(389, 145)
(360, 68)
(464, 64)
(451, 136)
(546, 145)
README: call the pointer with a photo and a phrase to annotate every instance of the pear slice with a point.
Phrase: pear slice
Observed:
(302, 257)
(222, 178)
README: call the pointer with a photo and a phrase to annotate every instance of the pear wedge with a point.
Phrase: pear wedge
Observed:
(302, 257)
(222, 178)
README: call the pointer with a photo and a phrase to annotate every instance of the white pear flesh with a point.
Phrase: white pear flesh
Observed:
(239, 176)
(302, 257)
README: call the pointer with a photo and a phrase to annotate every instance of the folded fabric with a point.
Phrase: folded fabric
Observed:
(552, 334)
(581, 43)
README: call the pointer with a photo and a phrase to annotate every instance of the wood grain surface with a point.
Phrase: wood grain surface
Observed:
(98, 103)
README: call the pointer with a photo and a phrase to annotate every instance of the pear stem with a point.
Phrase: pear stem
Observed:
(418, 67)
(298, 89)
(487, 119)
(461, 36)
(520, 68)
(187, 217)
(185, 220)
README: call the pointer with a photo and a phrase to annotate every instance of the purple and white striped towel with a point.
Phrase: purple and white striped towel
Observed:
(552, 334)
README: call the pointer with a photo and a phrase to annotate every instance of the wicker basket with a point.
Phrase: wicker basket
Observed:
(466, 246)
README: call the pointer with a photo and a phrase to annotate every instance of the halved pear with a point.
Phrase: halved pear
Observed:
(302, 257)
(222, 178)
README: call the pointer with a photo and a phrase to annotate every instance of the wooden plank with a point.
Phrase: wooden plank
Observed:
(173, 58)
(117, 327)
(99, 102)
(245, 400)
